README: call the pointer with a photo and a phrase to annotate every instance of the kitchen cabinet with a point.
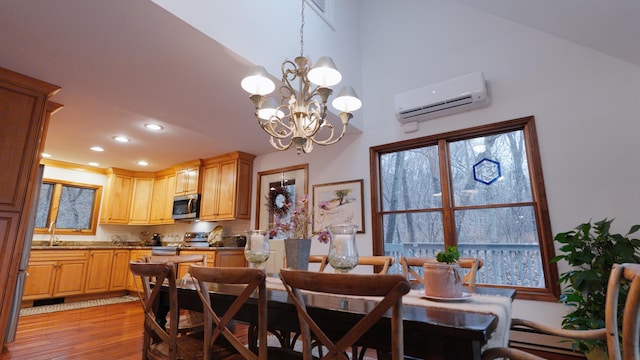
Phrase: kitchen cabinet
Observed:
(226, 187)
(230, 258)
(119, 270)
(24, 115)
(140, 212)
(187, 178)
(116, 199)
(135, 255)
(223, 257)
(56, 274)
(99, 271)
(162, 200)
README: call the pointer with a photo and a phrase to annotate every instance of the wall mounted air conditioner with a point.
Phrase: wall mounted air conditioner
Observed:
(449, 97)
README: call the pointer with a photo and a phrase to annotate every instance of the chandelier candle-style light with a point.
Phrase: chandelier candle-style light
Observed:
(301, 114)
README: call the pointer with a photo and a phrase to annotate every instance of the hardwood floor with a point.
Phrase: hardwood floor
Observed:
(111, 332)
(103, 332)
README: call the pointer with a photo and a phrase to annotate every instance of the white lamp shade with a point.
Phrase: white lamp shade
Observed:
(270, 108)
(347, 100)
(324, 73)
(258, 83)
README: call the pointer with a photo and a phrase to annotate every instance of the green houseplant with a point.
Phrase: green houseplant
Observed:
(591, 250)
(442, 277)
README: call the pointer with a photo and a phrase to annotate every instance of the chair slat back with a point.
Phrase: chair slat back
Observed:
(319, 259)
(181, 262)
(157, 273)
(216, 324)
(390, 287)
(384, 261)
(631, 312)
(469, 279)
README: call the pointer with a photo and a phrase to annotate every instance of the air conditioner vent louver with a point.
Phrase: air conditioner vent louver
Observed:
(453, 96)
(447, 104)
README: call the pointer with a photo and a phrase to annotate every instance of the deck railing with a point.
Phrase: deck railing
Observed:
(504, 264)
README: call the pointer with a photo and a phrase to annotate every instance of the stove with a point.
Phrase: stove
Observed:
(196, 239)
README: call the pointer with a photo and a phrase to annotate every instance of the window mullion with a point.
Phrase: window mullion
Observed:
(55, 203)
(448, 219)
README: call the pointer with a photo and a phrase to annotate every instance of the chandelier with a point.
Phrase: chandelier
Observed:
(299, 118)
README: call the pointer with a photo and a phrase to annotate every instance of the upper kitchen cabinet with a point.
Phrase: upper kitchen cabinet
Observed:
(116, 201)
(226, 187)
(140, 212)
(188, 177)
(162, 200)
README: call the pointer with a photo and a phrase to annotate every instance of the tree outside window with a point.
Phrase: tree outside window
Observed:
(480, 189)
(71, 208)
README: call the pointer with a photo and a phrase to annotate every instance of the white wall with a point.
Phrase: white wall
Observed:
(585, 104)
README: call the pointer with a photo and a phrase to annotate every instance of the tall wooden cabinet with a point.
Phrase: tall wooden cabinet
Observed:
(162, 199)
(24, 115)
(226, 187)
(140, 212)
(116, 198)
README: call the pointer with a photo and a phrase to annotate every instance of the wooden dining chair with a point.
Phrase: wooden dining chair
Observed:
(468, 280)
(390, 287)
(181, 262)
(319, 259)
(158, 342)
(189, 321)
(629, 273)
(217, 324)
(382, 261)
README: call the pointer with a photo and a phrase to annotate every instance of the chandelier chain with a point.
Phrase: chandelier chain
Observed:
(302, 30)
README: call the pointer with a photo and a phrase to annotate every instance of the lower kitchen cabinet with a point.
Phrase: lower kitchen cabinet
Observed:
(119, 270)
(134, 284)
(56, 274)
(99, 273)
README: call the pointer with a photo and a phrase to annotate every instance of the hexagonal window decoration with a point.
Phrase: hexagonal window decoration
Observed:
(486, 171)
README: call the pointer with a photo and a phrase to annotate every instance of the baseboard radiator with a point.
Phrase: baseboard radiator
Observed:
(542, 342)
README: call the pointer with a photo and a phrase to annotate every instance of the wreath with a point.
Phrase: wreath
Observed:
(279, 200)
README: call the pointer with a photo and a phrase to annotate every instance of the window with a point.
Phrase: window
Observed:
(73, 208)
(480, 189)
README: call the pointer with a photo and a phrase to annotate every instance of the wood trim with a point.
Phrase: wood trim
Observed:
(551, 290)
(71, 166)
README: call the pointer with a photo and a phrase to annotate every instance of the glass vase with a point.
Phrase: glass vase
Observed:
(256, 250)
(343, 251)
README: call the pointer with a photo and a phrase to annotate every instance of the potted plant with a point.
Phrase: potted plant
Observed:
(442, 277)
(591, 250)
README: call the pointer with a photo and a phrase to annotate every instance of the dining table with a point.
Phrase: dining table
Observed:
(433, 328)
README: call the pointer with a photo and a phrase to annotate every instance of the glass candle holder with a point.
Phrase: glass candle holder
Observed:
(343, 251)
(257, 250)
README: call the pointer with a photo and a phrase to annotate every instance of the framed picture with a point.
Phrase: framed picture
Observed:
(275, 187)
(337, 203)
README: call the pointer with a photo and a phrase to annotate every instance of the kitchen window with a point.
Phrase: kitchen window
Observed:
(480, 189)
(68, 208)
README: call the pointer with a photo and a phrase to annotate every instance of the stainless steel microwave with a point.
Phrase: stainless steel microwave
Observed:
(186, 207)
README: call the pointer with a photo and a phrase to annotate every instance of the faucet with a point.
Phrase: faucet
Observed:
(54, 239)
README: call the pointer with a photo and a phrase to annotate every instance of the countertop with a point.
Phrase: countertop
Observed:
(44, 245)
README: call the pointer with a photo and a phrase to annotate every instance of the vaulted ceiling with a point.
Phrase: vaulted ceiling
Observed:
(124, 64)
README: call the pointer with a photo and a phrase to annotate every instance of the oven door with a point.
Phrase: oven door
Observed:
(186, 207)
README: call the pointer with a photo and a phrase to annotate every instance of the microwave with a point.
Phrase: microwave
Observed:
(186, 207)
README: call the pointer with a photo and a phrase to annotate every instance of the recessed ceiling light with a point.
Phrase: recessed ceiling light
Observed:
(154, 127)
(97, 148)
(143, 163)
(121, 139)
(45, 155)
(94, 164)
